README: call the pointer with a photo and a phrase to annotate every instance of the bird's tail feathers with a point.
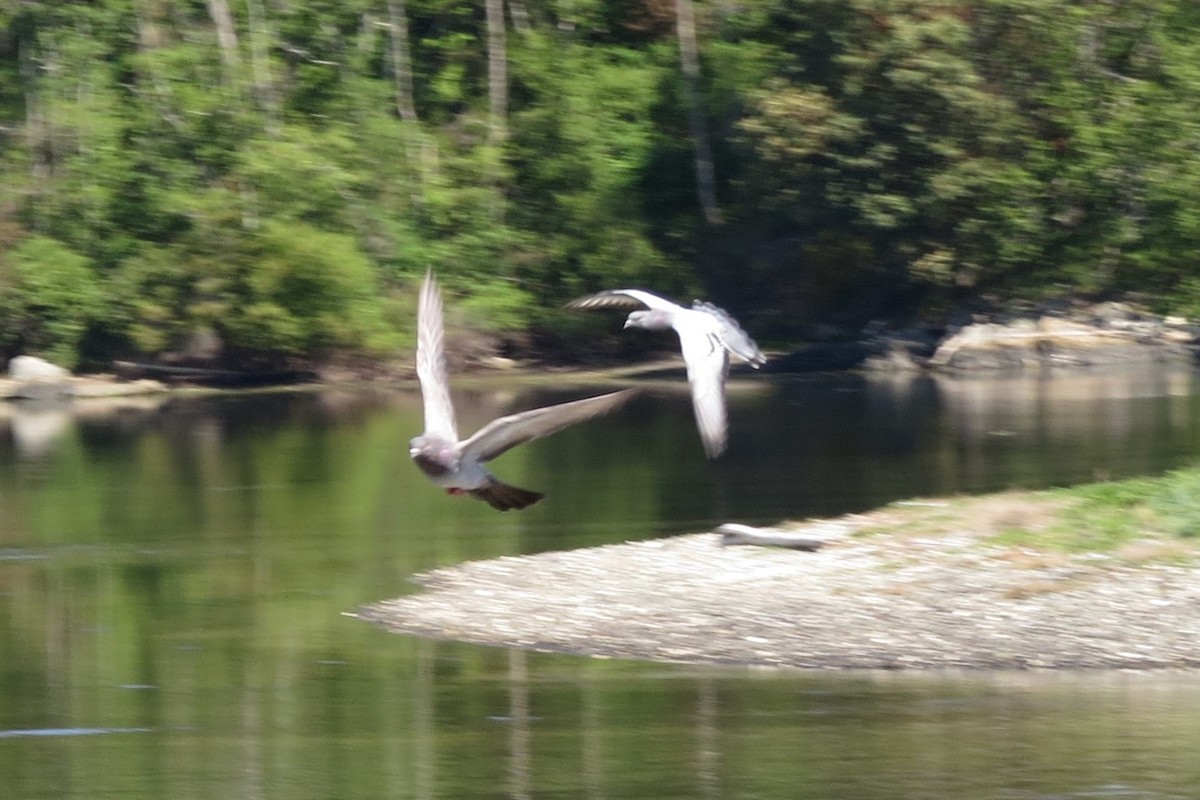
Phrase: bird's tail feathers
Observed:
(502, 496)
(734, 337)
(754, 358)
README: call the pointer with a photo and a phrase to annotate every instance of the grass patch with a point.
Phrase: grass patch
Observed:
(1105, 516)
(1146, 518)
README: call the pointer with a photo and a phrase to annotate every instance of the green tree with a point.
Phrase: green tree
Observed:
(49, 297)
(866, 157)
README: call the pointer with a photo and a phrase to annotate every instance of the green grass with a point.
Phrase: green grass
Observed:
(1117, 511)
(1096, 517)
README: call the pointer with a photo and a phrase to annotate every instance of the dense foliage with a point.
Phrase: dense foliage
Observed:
(281, 173)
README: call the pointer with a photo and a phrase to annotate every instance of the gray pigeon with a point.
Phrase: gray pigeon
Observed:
(457, 466)
(707, 335)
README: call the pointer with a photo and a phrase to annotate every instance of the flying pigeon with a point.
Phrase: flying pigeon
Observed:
(707, 335)
(458, 466)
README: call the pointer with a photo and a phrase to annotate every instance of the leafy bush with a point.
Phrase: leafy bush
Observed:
(498, 305)
(308, 291)
(49, 298)
(286, 288)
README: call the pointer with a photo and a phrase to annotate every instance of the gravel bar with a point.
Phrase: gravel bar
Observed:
(877, 601)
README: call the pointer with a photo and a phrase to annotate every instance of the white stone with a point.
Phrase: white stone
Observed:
(32, 368)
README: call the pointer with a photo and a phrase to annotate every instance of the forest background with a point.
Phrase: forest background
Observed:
(277, 175)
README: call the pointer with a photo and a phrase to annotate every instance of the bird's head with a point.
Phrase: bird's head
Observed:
(652, 319)
(432, 453)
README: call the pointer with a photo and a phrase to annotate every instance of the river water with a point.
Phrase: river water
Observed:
(174, 577)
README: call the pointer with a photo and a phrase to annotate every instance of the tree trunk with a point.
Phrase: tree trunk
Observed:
(497, 74)
(401, 60)
(685, 23)
(222, 18)
(36, 130)
(519, 14)
(260, 66)
(150, 38)
(566, 15)
(497, 102)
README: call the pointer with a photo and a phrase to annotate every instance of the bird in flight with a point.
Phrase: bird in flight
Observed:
(458, 466)
(707, 337)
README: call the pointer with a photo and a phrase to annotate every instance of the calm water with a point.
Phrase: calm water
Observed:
(173, 577)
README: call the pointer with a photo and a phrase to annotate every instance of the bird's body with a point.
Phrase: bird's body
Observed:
(458, 466)
(707, 337)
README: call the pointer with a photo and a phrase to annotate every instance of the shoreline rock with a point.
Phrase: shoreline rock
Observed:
(1078, 336)
(36, 379)
(76, 387)
(1050, 342)
(1075, 336)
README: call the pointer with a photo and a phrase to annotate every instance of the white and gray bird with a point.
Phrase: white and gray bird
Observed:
(707, 336)
(458, 466)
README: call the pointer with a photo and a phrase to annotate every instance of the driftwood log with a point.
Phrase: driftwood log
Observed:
(736, 533)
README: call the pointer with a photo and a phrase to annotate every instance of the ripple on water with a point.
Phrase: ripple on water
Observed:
(32, 732)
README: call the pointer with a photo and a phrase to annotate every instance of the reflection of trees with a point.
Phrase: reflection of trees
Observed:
(38, 427)
(1063, 427)
(208, 557)
(623, 734)
(707, 727)
(254, 779)
(590, 733)
(424, 723)
(520, 752)
(1065, 405)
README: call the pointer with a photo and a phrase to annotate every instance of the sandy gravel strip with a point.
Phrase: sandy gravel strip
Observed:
(874, 601)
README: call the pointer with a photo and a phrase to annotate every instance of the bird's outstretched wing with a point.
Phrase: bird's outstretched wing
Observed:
(505, 433)
(707, 363)
(624, 298)
(431, 363)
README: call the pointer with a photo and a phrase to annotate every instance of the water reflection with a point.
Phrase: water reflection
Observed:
(37, 428)
(853, 442)
(69, 732)
(1069, 407)
(178, 575)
